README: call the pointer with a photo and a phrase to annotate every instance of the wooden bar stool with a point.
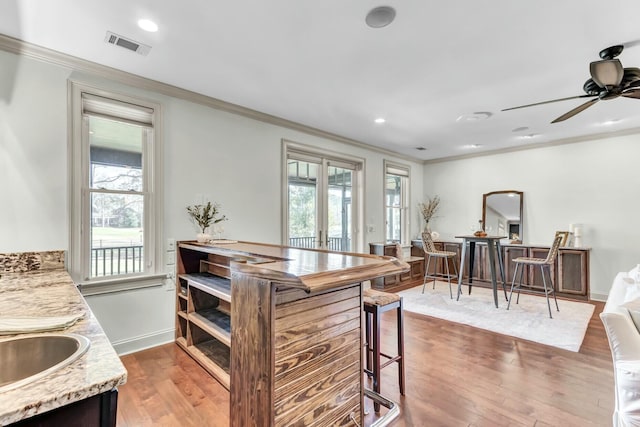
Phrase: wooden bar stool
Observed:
(376, 303)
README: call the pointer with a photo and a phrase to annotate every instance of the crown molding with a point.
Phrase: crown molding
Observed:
(556, 142)
(19, 47)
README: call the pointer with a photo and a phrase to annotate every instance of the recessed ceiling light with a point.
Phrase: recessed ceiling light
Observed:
(610, 122)
(381, 16)
(380, 120)
(530, 136)
(474, 117)
(148, 25)
(473, 146)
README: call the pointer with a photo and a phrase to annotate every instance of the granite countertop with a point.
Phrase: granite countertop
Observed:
(52, 293)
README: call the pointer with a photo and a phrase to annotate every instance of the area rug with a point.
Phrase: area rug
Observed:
(528, 320)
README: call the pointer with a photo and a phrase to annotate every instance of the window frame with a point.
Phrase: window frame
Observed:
(298, 151)
(402, 170)
(78, 263)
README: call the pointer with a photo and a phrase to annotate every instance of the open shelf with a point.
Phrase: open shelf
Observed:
(182, 305)
(212, 354)
(214, 322)
(203, 320)
(182, 288)
(202, 354)
(217, 352)
(211, 284)
(181, 327)
(215, 268)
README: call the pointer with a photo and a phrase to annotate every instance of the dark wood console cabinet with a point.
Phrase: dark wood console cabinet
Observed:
(570, 272)
(416, 263)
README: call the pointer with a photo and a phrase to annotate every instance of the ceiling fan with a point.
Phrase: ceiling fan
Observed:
(608, 81)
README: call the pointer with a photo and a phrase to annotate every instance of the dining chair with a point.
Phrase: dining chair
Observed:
(430, 252)
(545, 265)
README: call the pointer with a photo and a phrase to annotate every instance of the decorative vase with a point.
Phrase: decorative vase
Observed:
(203, 237)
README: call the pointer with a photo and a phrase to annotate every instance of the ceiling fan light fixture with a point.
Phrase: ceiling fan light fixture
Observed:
(606, 73)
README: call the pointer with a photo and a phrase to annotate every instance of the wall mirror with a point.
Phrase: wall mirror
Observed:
(502, 214)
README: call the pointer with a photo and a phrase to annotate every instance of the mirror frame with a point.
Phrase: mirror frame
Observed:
(484, 208)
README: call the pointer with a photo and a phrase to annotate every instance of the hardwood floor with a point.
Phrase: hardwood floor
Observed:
(456, 376)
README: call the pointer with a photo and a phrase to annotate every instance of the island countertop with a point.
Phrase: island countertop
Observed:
(53, 293)
(308, 269)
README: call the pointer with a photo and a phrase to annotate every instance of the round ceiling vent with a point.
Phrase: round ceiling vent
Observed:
(380, 16)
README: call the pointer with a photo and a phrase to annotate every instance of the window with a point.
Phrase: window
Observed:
(396, 202)
(115, 197)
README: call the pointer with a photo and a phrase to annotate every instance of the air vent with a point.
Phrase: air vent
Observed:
(126, 43)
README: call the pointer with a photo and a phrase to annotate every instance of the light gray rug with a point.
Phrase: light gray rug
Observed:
(528, 320)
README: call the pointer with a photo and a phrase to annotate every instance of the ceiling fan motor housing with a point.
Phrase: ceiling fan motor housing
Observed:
(611, 52)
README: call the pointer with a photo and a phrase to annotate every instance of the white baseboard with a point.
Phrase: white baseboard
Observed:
(598, 297)
(143, 342)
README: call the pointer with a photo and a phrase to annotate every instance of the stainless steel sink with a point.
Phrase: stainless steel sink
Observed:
(25, 359)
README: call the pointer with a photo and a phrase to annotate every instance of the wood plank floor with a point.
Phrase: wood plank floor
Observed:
(456, 376)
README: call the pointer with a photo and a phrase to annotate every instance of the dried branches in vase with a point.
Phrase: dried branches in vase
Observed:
(429, 209)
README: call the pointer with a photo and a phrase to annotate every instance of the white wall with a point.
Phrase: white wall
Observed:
(231, 159)
(33, 156)
(593, 182)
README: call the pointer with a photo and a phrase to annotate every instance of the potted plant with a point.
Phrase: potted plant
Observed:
(204, 216)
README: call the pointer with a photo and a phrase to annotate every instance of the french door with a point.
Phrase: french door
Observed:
(321, 192)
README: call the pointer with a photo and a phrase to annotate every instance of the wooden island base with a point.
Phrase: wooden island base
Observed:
(279, 327)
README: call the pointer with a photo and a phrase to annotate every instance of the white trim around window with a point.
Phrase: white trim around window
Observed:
(298, 151)
(401, 203)
(86, 102)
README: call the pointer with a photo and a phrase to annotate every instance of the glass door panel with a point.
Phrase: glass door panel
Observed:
(319, 204)
(339, 209)
(303, 203)
(393, 204)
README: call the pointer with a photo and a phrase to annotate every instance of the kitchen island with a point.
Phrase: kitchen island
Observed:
(279, 326)
(89, 383)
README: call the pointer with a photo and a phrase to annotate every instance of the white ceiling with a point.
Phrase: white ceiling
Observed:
(318, 64)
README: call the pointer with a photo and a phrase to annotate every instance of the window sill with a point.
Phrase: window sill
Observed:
(121, 284)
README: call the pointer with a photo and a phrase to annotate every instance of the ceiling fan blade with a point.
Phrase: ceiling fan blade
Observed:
(576, 110)
(633, 93)
(549, 102)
